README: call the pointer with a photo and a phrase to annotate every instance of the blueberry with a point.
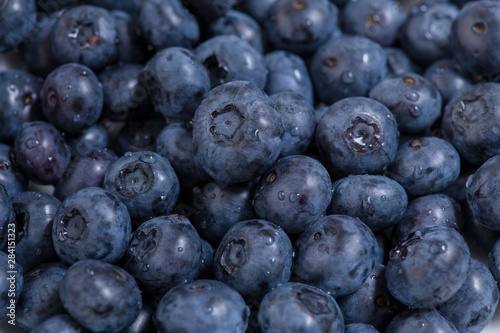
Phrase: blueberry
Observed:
(288, 71)
(11, 177)
(165, 23)
(85, 34)
(145, 181)
(448, 77)
(207, 11)
(125, 5)
(33, 224)
(175, 143)
(63, 323)
(91, 223)
(72, 98)
(372, 304)
(398, 62)
(378, 201)
(19, 101)
(163, 253)
(293, 193)
(96, 137)
(36, 54)
(414, 101)
(295, 110)
(428, 210)
(131, 47)
(474, 304)
(144, 322)
(298, 307)
(100, 296)
(138, 134)
(426, 33)
(378, 20)
(85, 171)
(357, 135)
(216, 306)
(347, 66)
(482, 191)
(219, 206)
(300, 26)
(40, 295)
(230, 58)
(124, 96)
(17, 23)
(336, 253)
(494, 260)
(207, 260)
(428, 267)
(258, 9)
(470, 122)
(176, 81)
(41, 152)
(360, 328)
(241, 25)
(425, 165)
(474, 34)
(254, 257)
(420, 321)
(237, 132)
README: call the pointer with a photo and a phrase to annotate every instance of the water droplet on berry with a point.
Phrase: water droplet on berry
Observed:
(294, 131)
(65, 98)
(414, 111)
(145, 268)
(148, 158)
(267, 274)
(347, 77)
(293, 197)
(180, 249)
(412, 96)
(209, 309)
(383, 198)
(281, 195)
(237, 209)
(50, 158)
(32, 143)
(128, 154)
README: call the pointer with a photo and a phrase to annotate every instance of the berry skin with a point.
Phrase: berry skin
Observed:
(237, 132)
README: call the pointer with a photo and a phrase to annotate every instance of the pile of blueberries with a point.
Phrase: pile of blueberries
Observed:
(249, 166)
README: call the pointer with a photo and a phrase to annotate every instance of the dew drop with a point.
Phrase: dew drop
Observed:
(148, 158)
(180, 249)
(209, 309)
(293, 197)
(267, 274)
(163, 197)
(268, 237)
(128, 154)
(145, 268)
(32, 143)
(412, 96)
(281, 195)
(91, 273)
(237, 209)
(65, 98)
(414, 111)
(273, 261)
(383, 198)
(76, 118)
(84, 73)
(294, 131)
(347, 77)
(50, 158)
